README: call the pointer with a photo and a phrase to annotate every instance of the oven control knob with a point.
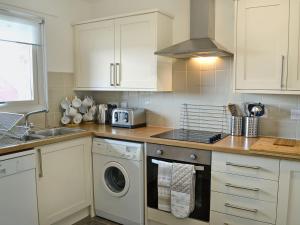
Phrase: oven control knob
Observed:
(159, 152)
(193, 156)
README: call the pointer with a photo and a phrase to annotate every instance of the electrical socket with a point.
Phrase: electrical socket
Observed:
(295, 114)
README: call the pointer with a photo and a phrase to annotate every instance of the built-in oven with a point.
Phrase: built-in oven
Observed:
(202, 161)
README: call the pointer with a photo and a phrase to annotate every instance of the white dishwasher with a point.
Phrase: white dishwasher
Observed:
(18, 199)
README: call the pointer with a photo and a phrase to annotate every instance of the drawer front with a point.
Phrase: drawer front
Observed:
(244, 207)
(246, 165)
(223, 219)
(249, 187)
(15, 165)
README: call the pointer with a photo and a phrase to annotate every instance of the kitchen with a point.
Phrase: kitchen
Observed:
(60, 164)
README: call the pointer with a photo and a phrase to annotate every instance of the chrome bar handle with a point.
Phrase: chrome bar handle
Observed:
(243, 166)
(112, 74)
(282, 71)
(118, 74)
(41, 173)
(240, 208)
(242, 187)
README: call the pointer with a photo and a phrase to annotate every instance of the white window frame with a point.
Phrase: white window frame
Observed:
(40, 76)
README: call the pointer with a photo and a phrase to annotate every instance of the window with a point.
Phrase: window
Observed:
(22, 67)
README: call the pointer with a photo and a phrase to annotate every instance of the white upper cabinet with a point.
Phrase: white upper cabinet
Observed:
(135, 44)
(118, 53)
(293, 81)
(262, 28)
(94, 54)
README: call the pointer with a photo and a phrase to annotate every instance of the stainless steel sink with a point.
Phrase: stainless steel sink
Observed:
(56, 131)
(32, 137)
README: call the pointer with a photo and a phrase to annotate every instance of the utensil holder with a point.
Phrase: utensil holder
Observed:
(236, 125)
(251, 126)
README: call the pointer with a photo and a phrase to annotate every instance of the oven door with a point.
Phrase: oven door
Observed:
(202, 190)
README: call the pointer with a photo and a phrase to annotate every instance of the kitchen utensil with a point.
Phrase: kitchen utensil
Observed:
(233, 109)
(110, 108)
(76, 103)
(251, 126)
(254, 109)
(102, 111)
(236, 125)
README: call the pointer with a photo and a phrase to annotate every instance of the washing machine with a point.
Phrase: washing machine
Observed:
(118, 170)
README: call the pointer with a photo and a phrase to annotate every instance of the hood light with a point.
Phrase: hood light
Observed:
(206, 60)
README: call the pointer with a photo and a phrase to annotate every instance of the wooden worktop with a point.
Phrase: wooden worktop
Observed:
(262, 146)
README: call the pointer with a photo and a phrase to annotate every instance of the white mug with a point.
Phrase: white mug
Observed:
(83, 109)
(87, 101)
(87, 117)
(65, 103)
(71, 111)
(76, 103)
(65, 119)
(77, 118)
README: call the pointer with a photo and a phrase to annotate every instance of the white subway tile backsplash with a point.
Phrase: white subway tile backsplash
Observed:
(193, 82)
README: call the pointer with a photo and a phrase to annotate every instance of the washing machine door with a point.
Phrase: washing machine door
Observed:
(115, 179)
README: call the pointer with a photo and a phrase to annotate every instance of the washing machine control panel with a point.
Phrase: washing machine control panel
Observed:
(118, 150)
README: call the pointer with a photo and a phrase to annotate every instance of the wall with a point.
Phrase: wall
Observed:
(177, 8)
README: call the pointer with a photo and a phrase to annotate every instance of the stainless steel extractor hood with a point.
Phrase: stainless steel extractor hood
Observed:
(201, 42)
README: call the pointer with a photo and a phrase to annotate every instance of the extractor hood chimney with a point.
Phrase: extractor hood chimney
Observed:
(202, 29)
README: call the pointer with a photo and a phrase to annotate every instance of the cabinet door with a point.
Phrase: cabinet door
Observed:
(289, 194)
(135, 46)
(94, 54)
(64, 185)
(261, 44)
(293, 81)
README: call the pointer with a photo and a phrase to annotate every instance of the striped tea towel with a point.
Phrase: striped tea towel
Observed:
(164, 185)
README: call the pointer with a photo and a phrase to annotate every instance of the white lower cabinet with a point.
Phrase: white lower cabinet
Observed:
(244, 190)
(64, 182)
(248, 187)
(262, 211)
(289, 194)
(223, 219)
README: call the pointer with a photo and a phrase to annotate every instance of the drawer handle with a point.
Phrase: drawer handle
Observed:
(240, 208)
(243, 166)
(241, 187)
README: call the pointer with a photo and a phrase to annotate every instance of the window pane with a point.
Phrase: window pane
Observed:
(16, 72)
